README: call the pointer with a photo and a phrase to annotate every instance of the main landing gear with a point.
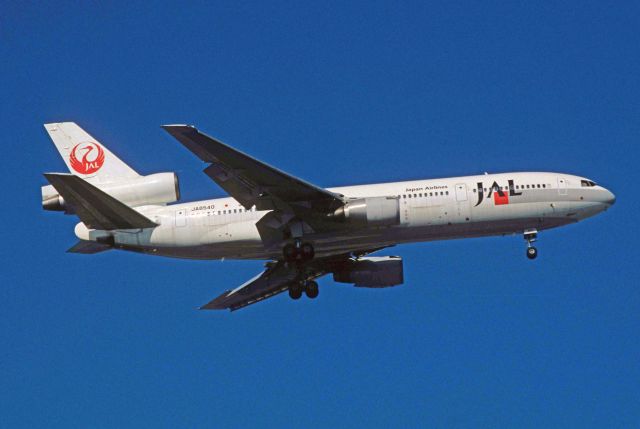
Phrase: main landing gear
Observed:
(310, 288)
(298, 252)
(531, 235)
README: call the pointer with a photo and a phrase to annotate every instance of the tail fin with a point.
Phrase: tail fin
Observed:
(85, 156)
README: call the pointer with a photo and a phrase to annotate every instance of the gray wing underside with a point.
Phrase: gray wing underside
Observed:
(89, 247)
(277, 278)
(250, 181)
(272, 281)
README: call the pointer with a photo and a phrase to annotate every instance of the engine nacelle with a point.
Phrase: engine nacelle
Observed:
(372, 271)
(371, 211)
(154, 189)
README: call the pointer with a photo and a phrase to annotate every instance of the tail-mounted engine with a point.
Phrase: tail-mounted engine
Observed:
(154, 189)
(371, 211)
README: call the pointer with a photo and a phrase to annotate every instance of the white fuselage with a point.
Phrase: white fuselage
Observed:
(430, 209)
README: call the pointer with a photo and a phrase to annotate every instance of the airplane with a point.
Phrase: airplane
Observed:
(303, 231)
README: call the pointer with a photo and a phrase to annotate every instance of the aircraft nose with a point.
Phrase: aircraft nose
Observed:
(609, 198)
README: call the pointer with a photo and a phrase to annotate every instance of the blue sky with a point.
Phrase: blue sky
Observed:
(335, 93)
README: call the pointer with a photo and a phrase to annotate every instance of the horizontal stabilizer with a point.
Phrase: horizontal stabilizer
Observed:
(95, 208)
(88, 247)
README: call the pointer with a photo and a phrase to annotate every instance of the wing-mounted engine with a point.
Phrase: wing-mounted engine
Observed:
(370, 211)
(371, 271)
(154, 189)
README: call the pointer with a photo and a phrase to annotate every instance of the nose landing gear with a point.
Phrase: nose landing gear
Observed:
(531, 235)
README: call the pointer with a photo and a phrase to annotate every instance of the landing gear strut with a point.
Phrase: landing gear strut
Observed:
(531, 235)
(298, 252)
(310, 288)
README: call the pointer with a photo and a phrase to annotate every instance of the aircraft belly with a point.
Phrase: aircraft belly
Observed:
(328, 245)
(422, 222)
(199, 234)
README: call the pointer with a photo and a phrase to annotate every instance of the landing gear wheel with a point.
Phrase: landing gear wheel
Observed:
(311, 289)
(307, 252)
(289, 252)
(530, 236)
(295, 291)
(300, 252)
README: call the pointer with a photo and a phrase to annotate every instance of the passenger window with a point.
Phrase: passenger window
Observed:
(527, 186)
(543, 185)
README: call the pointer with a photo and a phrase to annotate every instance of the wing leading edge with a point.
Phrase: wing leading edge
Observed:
(250, 181)
(275, 279)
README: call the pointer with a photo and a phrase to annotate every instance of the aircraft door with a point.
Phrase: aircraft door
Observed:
(562, 186)
(461, 192)
(463, 211)
(181, 217)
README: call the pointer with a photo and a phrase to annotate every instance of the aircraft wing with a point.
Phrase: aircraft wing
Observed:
(250, 181)
(277, 278)
(274, 279)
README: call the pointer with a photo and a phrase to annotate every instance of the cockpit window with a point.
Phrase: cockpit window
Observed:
(587, 183)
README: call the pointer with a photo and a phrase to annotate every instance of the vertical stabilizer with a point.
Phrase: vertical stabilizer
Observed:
(85, 156)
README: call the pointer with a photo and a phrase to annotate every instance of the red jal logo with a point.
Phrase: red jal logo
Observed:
(92, 157)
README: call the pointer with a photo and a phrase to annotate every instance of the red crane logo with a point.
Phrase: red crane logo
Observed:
(92, 159)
